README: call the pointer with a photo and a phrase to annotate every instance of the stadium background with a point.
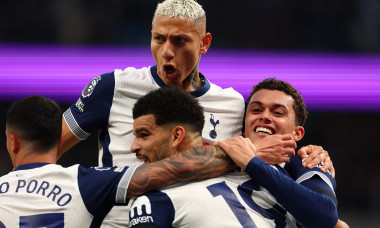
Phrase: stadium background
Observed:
(330, 51)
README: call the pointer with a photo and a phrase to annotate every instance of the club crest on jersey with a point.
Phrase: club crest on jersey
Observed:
(90, 87)
(213, 133)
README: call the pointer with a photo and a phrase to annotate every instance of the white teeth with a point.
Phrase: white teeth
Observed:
(265, 130)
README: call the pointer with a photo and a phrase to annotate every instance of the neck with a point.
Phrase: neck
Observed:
(191, 141)
(23, 158)
(194, 81)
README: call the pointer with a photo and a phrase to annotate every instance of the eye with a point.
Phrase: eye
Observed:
(159, 39)
(255, 110)
(181, 39)
(278, 112)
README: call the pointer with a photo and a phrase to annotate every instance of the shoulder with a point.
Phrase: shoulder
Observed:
(225, 98)
(132, 72)
(300, 173)
(226, 92)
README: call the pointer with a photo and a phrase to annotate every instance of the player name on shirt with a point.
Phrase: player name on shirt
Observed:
(43, 188)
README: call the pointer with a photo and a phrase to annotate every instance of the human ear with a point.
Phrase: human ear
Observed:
(178, 135)
(206, 42)
(14, 143)
(298, 133)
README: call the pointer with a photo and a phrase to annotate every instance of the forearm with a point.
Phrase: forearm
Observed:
(195, 163)
(310, 208)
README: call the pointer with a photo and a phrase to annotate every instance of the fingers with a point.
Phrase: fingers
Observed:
(327, 164)
(288, 152)
(316, 156)
(304, 151)
(332, 169)
(221, 144)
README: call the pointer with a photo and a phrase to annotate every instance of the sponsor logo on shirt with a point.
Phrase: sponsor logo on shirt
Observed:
(90, 87)
(80, 105)
(142, 211)
(141, 219)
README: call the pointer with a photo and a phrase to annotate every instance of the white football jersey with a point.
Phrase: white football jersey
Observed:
(232, 200)
(106, 105)
(48, 195)
(239, 200)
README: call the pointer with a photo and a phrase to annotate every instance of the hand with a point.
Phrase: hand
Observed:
(275, 149)
(316, 155)
(241, 150)
(341, 224)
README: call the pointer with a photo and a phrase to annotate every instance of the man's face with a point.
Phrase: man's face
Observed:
(152, 142)
(176, 47)
(271, 112)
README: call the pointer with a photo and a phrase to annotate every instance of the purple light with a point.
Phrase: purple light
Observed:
(328, 81)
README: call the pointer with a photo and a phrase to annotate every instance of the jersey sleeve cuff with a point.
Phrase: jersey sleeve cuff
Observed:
(74, 126)
(123, 185)
(251, 164)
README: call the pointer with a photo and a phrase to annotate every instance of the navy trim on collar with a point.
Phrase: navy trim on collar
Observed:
(196, 93)
(30, 166)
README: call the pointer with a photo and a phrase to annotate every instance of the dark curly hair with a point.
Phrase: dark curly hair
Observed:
(171, 105)
(275, 84)
(37, 120)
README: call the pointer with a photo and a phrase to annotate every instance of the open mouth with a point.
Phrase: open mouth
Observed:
(265, 130)
(143, 158)
(169, 69)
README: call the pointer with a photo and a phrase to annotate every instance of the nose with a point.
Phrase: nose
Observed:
(167, 52)
(265, 116)
(135, 148)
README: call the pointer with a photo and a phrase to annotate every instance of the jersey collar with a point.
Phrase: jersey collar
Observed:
(30, 166)
(196, 93)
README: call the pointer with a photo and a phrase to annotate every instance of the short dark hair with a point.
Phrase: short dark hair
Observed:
(275, 84)
(171, 105)
(36, 119)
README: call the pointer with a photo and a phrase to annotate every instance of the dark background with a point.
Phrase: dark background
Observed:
(351, 26)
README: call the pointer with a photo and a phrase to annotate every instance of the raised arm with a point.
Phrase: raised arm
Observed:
(195, 163)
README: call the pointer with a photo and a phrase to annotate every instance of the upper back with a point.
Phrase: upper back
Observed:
(232, 200)
(36, 196)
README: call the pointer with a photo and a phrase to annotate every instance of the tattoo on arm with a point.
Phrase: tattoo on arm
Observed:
(193, 164)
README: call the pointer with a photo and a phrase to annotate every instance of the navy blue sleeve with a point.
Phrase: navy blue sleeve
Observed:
(311, 208)
(310, 178)
(100, 187)
(91, 111)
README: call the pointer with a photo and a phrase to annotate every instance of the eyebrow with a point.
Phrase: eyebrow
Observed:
(275, 105)
(139, 130)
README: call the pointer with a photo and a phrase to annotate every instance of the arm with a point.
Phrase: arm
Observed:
(274, 149)
(68, 139)
(293, 196)
(195, 163)
(315, 155)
